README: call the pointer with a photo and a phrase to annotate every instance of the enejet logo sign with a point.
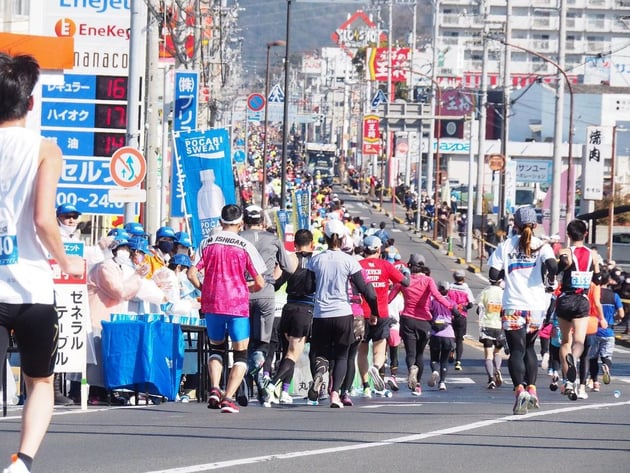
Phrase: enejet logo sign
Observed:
(68, 27)
(356, 32)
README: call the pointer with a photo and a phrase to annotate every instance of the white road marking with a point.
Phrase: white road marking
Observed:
(385, 442)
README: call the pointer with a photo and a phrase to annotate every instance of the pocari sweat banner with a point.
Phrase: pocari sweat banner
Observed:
(206, 177)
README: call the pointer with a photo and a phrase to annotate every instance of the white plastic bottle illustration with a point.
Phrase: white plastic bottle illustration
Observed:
(210, 201)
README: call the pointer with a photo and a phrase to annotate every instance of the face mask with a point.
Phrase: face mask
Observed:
(165, 246)
(123, 256)
(68, 229)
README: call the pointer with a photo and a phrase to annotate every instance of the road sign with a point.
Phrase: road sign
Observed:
(128, 167)
(378, 99)
(496, 162)
(276, 95)
(256, 102)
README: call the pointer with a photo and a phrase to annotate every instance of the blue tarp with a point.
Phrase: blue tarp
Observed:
(145, 355)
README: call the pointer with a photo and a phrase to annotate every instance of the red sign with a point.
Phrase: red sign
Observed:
(378, 64)
(371, 135)
(456, 102)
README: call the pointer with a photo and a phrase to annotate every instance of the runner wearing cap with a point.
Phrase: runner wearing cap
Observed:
(380, 273)
(528, 267)
(333, 330)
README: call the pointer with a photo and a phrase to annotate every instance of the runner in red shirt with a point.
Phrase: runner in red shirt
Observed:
(380, 273)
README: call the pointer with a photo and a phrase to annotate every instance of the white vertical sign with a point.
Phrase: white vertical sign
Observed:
(598, 148)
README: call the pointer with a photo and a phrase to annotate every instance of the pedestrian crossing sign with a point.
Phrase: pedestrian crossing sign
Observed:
(276, 95)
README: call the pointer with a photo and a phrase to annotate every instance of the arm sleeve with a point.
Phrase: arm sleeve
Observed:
(367, 290)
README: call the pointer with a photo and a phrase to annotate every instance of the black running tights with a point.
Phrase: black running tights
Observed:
(523, 363)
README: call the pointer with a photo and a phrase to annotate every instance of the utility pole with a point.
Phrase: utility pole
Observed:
(556, 178)
(434, 92)
(137, 63)
(483, 100)
(153, 183)
(505, 135)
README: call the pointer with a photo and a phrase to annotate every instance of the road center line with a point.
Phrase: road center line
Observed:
(382, 443)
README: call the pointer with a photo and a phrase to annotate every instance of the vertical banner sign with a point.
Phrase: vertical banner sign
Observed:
(511, 173)
(186, 101)
(205, 161)
(302, 206)
(371, 135)
(598, 149)
(71, 303)
(285, 228)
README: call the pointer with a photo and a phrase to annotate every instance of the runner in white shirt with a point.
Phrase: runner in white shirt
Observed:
(528, 267)
(31, 167)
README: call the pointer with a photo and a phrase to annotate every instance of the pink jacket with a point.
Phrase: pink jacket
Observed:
(418, 297)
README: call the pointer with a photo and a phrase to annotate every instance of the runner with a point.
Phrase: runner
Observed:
(225, 259)
(31, 168)
(579, 267)
(332, 318)
(528, 267)
(380, 273)
(490, 331)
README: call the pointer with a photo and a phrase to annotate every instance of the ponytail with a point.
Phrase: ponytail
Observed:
(525, 240)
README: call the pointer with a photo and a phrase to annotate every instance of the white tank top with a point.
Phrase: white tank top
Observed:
(25, 274)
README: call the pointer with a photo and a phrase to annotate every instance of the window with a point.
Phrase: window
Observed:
(20, 7)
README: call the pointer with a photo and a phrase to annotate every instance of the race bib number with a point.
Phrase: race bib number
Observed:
(581, 279)
(8, 249)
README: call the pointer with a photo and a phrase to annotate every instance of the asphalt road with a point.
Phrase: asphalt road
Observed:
(465, 428)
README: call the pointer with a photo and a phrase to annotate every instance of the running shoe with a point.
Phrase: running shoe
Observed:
(367, 392)
(458, 366)
(582, 394)
(16, 466)
(569, 390)
(521, 401)
(229, 406)
(435, 377)
(491, 384)
(412, 379)
(377, 381)
(274, 392)
(335, 401)
(571, 371)
(554, 382)
(214, 399)
(544, 364)
(417, 391)
(346, 400)
(392, 383)
(606, 373)
(533, 402)
(442, 386)
(285, 398)
(596, 387)
(498, 378)
(383, 393)
(311, 403)
(316, 385)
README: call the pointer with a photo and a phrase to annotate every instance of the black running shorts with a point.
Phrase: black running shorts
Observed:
(296, 320)
(36, 328)
(377, 332)
(572, 306)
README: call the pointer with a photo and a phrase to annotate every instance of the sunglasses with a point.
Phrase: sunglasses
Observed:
(74, 216)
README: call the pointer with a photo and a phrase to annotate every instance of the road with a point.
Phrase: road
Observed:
(465, 428)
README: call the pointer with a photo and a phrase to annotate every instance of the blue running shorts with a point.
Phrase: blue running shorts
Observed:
(236, 327)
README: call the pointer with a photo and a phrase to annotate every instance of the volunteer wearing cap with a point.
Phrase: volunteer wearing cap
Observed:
(160, 254)
(415, 319)
(380, 273)
(262, 304)
(111, 285)
(528, 267)
(333, 330)
(68, 219)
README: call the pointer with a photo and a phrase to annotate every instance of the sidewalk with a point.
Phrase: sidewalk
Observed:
(474, 266)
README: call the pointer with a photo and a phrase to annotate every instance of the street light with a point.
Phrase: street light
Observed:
(285, 113)
(270, 45)
(570, 197)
